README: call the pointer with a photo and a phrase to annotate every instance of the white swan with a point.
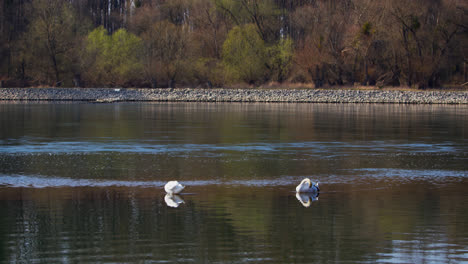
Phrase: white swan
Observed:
(306, 199)
(173, 187)
(307, 186)
(173, 200)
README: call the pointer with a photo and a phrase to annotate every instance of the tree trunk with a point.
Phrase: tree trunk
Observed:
(408, 58)
(171, 83)
(366, 73)
(56, 71)
(77, 80)
(464, 72)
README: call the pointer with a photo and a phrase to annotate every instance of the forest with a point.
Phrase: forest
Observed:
(229, 43)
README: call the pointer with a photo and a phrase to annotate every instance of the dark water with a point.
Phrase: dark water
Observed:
(83, 183)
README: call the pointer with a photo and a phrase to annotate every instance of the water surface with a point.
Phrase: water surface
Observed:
(82, 182)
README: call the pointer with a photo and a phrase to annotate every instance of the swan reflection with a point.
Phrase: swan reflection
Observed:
(173, 200)
(306, 199)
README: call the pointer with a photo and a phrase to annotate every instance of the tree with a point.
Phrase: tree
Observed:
(113, 59)
(245, 55)
(320, 52)
(265, 15)
(50, 40)
(281, 56)
(203, 42)
(428, 35)
(14, 18)
(166, 52)
(210, 28)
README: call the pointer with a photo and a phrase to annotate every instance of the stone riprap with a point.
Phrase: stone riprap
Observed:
(236, 95)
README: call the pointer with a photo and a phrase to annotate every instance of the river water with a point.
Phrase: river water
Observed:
(83, 183)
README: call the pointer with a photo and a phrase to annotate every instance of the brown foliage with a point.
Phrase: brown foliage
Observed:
(336, 42)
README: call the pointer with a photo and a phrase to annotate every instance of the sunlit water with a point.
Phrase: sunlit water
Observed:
(83, 182)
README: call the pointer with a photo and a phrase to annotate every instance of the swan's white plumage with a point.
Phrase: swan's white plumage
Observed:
(306, 199)
(173, 187)
(173, 200)
(306, 186)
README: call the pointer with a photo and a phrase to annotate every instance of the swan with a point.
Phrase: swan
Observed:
(173, 187)
(307, 186)
(173, 200)
(306, 199)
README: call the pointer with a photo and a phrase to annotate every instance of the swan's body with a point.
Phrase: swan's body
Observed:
(306, 199)
(173, 200)
(306, 186)
(173, 187)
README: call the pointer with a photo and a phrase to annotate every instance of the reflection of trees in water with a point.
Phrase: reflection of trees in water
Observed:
(123, 223)
(26, 247)
(339, 136)
(113, 224)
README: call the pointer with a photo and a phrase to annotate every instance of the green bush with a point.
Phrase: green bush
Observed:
(245, 55)
(113, 59)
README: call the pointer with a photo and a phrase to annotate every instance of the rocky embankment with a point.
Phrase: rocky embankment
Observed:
(106, 95)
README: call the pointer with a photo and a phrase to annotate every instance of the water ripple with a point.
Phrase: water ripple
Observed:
(43, 182)
(356, 176)
(31, 146)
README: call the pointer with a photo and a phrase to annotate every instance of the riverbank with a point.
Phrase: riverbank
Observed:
(107, 95)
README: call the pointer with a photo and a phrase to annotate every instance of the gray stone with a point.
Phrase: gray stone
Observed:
(235, 95)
